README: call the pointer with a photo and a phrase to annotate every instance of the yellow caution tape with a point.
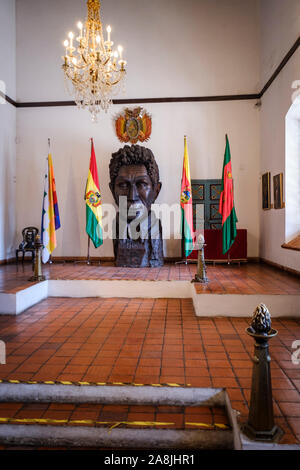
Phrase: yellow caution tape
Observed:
(202, 425)
(222, 426)
(111, 424)
(81, 421)
(67, 382)
(210, 426)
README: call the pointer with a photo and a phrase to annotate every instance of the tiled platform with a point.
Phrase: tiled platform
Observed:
(147, 341)
(245, 286)
(251, 278)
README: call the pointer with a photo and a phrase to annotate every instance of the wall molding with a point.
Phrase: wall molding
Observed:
(187, 99)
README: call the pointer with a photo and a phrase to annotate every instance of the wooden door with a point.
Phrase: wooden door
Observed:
(207, 193)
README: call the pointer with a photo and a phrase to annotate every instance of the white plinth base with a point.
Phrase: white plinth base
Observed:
(232, 305)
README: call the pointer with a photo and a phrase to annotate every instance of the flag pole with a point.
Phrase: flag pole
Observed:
(89, 239)
(182, 261)
(88, 252)
(183, 251)
(50, 258)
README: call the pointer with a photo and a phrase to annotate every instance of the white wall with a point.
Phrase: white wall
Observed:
(173, 48)
(205, 125)
(292, 171)
(280, 23)
(7, 130)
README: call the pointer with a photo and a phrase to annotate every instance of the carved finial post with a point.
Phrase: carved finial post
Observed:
(260, 424)
(200, 276)
(38, 275)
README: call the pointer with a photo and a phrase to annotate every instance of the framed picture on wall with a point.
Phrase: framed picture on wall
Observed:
(266, 194)
(278, 191)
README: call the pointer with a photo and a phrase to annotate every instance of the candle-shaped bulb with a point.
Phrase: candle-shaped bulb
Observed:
(80, 26)
(71, 35)
(120, 49)
(116, 55)
(108, 29)
(98, 39)
(66, 43)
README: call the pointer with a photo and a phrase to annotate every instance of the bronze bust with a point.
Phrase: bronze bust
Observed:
(135, 185)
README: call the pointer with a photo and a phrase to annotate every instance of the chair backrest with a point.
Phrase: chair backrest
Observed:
(29, 234)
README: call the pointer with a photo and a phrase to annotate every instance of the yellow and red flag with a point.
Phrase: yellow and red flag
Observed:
(226, 207)
(186, 204)
(50, 213)
(93, 201)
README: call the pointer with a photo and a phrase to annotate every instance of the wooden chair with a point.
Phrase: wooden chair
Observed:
(28, 234)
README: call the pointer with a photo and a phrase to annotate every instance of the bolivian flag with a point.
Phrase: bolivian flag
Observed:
(226, 207)
(50, 213)
(186, 204)
(93, 203)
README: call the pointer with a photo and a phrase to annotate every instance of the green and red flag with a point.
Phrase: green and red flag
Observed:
(226, 207)
(186, 204)
(93, 201)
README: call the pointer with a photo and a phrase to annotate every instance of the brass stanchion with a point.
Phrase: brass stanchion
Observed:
(200, 276)
(260, 424)
(38, 275)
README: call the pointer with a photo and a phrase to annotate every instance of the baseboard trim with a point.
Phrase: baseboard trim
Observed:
(280, 266)
(253, 259)
(7, 261)
(82, 259)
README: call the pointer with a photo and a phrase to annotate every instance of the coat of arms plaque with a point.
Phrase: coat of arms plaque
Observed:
(133, 125)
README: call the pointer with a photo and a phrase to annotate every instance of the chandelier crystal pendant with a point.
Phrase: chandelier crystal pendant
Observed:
(93, 71)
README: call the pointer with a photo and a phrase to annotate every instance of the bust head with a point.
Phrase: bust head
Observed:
(134, 174)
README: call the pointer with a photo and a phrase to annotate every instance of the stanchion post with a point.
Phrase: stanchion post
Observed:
(260, 425)
(38, 275)
(200, 276)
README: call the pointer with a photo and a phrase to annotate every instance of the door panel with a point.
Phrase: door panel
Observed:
(207, 193)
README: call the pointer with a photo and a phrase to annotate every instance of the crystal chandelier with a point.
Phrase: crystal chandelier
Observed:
(93, 71)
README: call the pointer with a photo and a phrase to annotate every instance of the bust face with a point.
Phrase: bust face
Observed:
(134, 182)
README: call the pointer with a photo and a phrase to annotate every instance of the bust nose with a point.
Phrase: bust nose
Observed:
(133, 193)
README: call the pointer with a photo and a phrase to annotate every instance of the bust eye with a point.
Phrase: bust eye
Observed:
(142, 184)
(122, 185)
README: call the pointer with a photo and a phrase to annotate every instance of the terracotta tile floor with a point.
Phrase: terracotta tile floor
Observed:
(251, 278)
(149, 341)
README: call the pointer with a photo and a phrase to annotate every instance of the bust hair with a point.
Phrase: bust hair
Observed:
(133, 155)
